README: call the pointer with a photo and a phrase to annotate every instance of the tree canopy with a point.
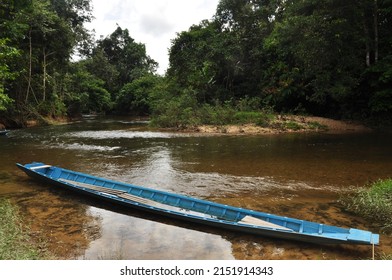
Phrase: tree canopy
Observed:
(325, 57)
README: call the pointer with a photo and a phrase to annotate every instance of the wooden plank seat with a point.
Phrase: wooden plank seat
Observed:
(40, 167)
(93, 187)
(259, 222)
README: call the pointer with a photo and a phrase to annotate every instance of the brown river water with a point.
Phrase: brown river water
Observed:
(299, 175)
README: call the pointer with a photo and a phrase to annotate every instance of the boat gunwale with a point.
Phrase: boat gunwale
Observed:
(141, 204)
(333, 238)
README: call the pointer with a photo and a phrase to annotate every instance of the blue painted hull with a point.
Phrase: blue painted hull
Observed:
(197, 210)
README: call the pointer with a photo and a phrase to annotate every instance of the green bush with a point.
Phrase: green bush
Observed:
(246, 117)
(373, 202)
(216, 114)
(293, 125)
(317, 126)
(178, 112)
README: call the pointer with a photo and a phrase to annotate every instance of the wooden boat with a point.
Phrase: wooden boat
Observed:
(197, 210)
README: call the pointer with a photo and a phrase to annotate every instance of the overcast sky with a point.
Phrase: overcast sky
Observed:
(151, 22)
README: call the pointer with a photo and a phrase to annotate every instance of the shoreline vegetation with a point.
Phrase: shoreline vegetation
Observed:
(373, 202)
(275, 124)
(283, 124)
(247, 120)
(16, 241)
(249, 56)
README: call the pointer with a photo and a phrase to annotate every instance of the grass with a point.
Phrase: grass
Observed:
(15, 241)
(385, 257)
(373, 202)
(317, 126)
(293, 126)
(185, 111)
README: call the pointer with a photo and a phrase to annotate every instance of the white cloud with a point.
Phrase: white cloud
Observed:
(151, 22)
(156, 26)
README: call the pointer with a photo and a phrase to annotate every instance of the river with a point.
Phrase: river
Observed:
(299, 175)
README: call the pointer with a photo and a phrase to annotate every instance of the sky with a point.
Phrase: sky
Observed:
(151, 22)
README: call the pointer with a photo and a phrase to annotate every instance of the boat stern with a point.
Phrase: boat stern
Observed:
(363, 236)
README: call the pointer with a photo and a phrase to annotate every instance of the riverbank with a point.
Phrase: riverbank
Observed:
(15, 240)
(284, 124)
(42, 121)
(374, 202)
(276, 124)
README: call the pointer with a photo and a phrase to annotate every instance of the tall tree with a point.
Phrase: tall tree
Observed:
(46, 33)
(6, 54)
(128, 58)
(320, 42)
(227, 51)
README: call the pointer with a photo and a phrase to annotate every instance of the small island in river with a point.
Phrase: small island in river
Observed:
(284, 124)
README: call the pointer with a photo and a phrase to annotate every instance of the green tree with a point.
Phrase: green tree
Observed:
(320, 44)
(135, 97)
(85, 93)
(100, 66)
(194, 62)
(128, 58)
(6, 54)
(224, 59)
(46, 33)
(377, 79)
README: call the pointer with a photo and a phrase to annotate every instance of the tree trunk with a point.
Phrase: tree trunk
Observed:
(45, 65)
(375, 18)
(30, 67)
(367, 45)
(44, 76)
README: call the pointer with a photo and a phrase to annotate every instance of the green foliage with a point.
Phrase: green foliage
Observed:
(317, 126)
(261, 118)
(312, 39)
(42, 35)
(171, 113)
(291, 125)
(218, 114)
(5, 101)
(176, 111)
(124, 60)
(328, 57)
(381, 100)
(134, 97)
(53, 108)
(7, 53)
(374, 202)
(294, 56)
(86, 93)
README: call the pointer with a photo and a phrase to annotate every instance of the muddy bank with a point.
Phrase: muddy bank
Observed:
(284, 124)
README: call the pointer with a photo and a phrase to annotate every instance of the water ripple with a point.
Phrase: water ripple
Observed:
(117, 134)
(86, 147)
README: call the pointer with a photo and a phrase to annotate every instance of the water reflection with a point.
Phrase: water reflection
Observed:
(65, 225)
(296, 175)
(128, 237)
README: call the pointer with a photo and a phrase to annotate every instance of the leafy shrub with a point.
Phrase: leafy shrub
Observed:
(293, 125)
(373, 202)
